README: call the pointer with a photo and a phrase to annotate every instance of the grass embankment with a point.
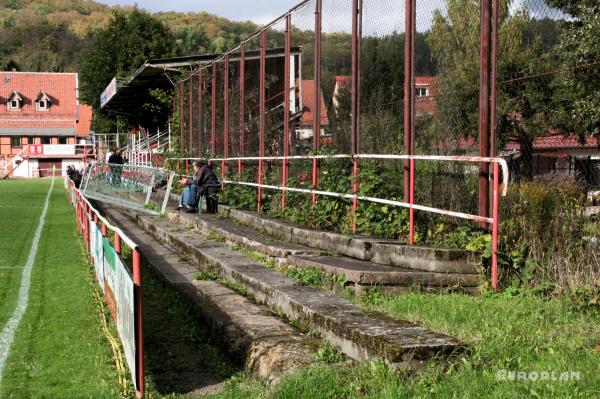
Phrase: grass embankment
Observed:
(520, 334)
(543, 339)
(59, 350)
(180, 358)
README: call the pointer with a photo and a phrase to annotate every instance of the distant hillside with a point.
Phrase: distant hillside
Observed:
(49, 35)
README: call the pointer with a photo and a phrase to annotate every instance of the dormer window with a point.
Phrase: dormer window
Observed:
(14, 101)
(42, 103)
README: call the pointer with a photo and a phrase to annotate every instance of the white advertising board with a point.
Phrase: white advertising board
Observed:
(119, 294)
(108, 92)
(58, 149)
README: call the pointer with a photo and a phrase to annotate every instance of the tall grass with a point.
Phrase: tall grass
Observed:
(545, 234)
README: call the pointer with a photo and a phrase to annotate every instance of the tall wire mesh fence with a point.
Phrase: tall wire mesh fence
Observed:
(391, 77)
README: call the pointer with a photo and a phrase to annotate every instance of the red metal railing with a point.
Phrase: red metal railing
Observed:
(493, 221)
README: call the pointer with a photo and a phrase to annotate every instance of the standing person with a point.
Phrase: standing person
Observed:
(114, 162)
(203, 175)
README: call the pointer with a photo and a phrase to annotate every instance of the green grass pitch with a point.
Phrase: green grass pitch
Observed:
(58, 349)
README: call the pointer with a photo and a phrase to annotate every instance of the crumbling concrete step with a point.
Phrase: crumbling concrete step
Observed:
(241, 234)
(386, 252)
(360, 335)
(266, 345)
(368, 273)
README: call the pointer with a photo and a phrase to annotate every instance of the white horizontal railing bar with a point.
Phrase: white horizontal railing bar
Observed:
(365, 198)
(458, 158)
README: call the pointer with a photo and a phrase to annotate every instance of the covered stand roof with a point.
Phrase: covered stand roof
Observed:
(129, 94)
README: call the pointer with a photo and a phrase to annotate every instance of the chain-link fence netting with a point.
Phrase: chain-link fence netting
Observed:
(142, 188)
(548, 70)
(391, 77)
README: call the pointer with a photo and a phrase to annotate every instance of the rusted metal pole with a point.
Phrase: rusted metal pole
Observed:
(139, 320)
(181, 121)
(316, 111)
(355, 106)
(493, 77)
(225, 115)
(407, 95)
(484, 108)
(261, 137)
(286, 105)
(200, 112)
(191, 117)
(213, 111)
(413, 107)
(495, 222)
(242, 104)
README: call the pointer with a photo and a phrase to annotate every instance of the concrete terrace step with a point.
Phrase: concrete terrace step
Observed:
(386, 252)
(241, 234)
(365, 274)
(267, 346)
(360, 335)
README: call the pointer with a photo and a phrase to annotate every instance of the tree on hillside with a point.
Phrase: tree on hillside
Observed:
(577, 94)
(118, 50)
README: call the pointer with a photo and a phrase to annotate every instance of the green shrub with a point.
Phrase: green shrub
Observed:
(543, 234)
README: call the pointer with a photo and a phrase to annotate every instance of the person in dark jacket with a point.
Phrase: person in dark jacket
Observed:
(196, 186)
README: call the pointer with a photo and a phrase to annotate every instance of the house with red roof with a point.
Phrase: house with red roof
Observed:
(424, 96)
(342, 84)
(42, 124)
(557, 152)
(305, 128)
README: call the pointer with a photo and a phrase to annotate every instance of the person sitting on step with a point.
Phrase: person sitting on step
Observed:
(196, 186)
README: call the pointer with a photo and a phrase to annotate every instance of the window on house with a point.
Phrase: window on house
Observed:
(15, 141)
(421, 92)
(41, 105)
(30, 140)
(62, 140)
(46, 140)
(14, 104)
(42, 102)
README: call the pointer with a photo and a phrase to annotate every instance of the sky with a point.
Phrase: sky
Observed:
(258, 11)
(390, 14)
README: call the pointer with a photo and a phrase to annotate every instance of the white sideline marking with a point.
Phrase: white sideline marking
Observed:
(8, 333)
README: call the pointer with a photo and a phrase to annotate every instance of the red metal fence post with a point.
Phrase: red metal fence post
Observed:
(495, 228)
(180, 115)
(242, 104)
(200, 114)
(493, 76)
(407, 94)
(213, 111)
(484, 108)
(191, 116)
(139, 322)
(286, 105)
(411, 211)
(413, 87)
(117, 243)
(225, 116)
(261, 139)
(355, 105)
(316, 111)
